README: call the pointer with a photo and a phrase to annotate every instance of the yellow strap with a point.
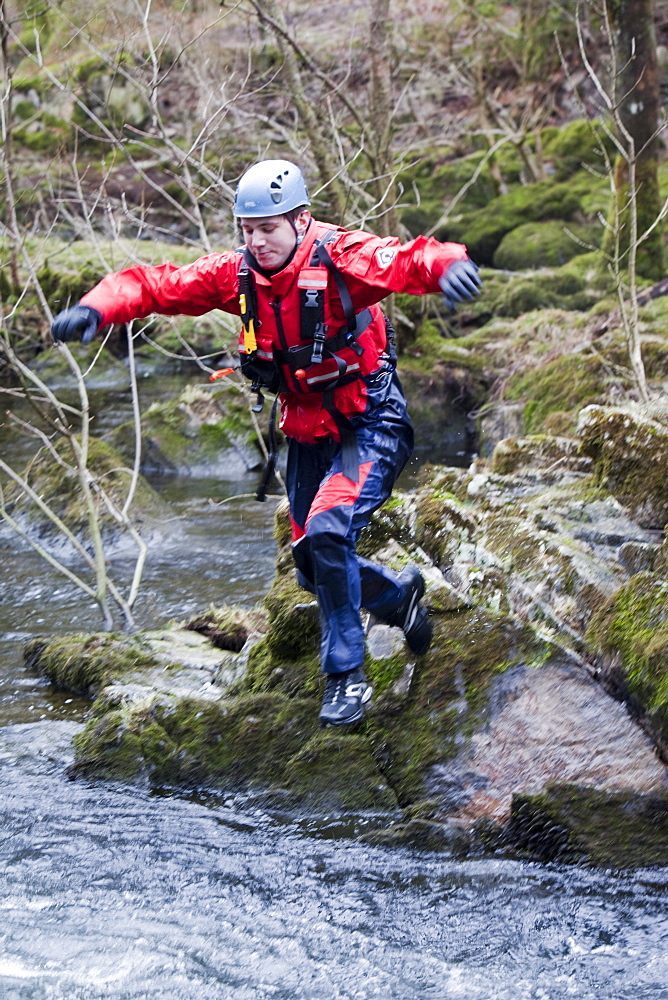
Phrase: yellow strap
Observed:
(250, 343)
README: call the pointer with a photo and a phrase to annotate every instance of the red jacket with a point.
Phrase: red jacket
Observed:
(372, 268)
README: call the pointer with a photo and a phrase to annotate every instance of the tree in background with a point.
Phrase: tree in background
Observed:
(636, 98)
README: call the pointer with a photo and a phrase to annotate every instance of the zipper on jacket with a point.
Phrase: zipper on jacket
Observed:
(276, 306)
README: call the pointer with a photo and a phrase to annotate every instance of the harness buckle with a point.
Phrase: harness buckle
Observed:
(318, 344)
(259, 403)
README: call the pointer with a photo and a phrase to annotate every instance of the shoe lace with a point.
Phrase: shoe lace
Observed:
(335, 688)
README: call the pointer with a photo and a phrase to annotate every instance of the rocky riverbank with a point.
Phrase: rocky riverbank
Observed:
(537, 723)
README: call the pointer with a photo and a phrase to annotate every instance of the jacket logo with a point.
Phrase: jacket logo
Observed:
(385, 256)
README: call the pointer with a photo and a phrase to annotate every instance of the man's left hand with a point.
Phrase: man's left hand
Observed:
(460, 282)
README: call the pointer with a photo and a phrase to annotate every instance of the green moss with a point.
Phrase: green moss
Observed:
(336, 771)
(482, 231)
(544, 244)
(564, 385)
(64, 286)
(629, 453)
(248, 739)
(47, 141)
(649, 258)
(287, 659)
(84, 663)
(389, 523)
(632, 630)
(608, 829)
(193, 743)
(441, 525)
(579, 142)
(191, 429)
(383, 673)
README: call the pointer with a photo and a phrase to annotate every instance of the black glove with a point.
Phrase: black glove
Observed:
(461, 281)
(78, 321)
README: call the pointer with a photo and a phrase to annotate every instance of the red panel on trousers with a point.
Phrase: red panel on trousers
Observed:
(297, 531)
(338, 491)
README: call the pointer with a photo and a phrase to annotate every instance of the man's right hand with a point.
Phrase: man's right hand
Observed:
(81, 322)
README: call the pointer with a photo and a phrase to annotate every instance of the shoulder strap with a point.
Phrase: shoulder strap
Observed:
(324, 256)
(248, 306)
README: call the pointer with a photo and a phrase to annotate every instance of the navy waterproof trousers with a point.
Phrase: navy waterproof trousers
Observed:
(328, 511)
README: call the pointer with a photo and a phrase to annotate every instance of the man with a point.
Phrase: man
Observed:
(307, 294)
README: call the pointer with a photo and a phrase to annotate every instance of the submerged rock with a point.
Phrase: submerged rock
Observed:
(201, 432)
(569, 823)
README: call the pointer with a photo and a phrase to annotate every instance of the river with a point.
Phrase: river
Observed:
(110, 891)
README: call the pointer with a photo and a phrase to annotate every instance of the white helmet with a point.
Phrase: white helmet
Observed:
(272, 187)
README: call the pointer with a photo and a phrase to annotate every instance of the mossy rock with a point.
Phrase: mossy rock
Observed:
(631, 631)
(544, 244)
(630, 457)
(442, 524)
(287, 659)
(579, 142)
(482, 231)
(86, 663)
(561, 289)
(246, 741)
(390, 523)
(578, 824)
(563, 385)
(336, 772)
(64, 285)
(199, 431)
(57, 483)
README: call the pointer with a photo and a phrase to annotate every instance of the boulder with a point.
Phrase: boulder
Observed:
(201, 432)
(54, 478)
(630, 458)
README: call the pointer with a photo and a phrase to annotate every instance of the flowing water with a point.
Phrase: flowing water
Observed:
(113, 892)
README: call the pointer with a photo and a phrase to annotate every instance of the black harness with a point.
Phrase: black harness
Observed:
(316, 366)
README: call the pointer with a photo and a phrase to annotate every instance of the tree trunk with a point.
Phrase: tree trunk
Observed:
(380, 107)
(637, 98)
(322, 146)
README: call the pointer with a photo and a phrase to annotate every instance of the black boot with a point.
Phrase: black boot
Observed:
(409, 616)
(346, 694)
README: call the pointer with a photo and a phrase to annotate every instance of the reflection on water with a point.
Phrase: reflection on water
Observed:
(111, 892)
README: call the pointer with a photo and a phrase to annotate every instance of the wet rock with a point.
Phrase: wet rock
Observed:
(630, 632)
(630, 455)
(424, 835)
(201, 432)
(571, 823)
(544, 724)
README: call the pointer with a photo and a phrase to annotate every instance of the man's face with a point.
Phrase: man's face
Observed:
(272, 239)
